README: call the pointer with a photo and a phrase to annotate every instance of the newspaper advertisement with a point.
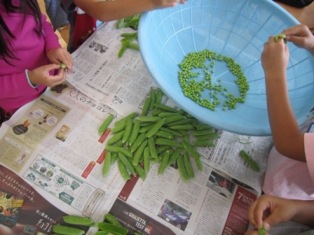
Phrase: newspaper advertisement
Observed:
(54, 146)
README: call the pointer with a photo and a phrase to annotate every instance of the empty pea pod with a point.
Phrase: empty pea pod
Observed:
(67, 230)
(78, 220)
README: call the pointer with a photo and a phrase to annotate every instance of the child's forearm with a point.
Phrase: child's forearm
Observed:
(305, 212)
(287, 137)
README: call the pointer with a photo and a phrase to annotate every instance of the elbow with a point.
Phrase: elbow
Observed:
(293, 149)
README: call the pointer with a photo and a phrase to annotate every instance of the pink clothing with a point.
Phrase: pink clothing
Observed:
(30, 49)
(288, 178)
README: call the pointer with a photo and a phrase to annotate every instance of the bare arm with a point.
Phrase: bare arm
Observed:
(117, 9)
(288, 139)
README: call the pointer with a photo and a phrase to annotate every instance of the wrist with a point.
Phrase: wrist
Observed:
(27, 74)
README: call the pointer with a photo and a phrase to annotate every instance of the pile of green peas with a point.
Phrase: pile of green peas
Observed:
(190, 72)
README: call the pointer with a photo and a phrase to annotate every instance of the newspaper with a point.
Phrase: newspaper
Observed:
(53, 147)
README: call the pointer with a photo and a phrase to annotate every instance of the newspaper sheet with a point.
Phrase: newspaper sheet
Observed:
(53, 148)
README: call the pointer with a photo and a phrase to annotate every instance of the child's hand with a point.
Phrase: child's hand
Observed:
(60, 56)
(41, 75)
(166, 3)
(269, 210)
(301, 36)
(275, 57)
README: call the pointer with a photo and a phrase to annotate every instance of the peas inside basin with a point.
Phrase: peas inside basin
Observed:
(236, 29)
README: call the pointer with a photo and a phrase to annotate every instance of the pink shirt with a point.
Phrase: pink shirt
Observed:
(31, 50)
(288, 178)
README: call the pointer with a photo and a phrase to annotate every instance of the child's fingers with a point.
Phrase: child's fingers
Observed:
(57, 79)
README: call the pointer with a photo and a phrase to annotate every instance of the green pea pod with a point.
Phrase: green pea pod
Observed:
(117, 149)
(146, 156)
(174, 118)
(152, 148)
(152, 95)
(148, 118)
(115, 137)
(107, 163)
(111, 228)
(146, 106)
(127, 163)
(78, 220)
(188, 165)
(165, 107)
(182, 171)
(138, 142)
(112, 220)
(134, 132)
(123, 120)
(167, 142)
(249, 160)
(141, 172)
(262, 231)
(155, 128)
(164, 162)
(67, 230)
(123, 171)
(127, 130)
(105, 124)
(138, 154)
